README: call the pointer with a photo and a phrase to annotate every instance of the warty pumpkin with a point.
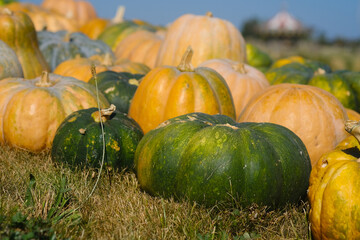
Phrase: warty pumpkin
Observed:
(212, 159)
(312, 113)
(166, 92)
(79, 139)
(14, 26)
(335, 189)
(210, 38)
(32, 109)
(244, 81)
(79, 68)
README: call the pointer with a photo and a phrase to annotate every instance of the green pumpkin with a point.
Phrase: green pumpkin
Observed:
(78, 140)
(115, 33)
(257, 58)
(118, 87)
(339, 86)
(60, 46)
(211, 159)
(290, 73)
(9, 62)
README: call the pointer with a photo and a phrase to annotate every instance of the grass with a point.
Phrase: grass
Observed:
(43, 200)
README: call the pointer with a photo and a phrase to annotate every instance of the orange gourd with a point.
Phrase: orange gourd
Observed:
(166, 92)
(312, 113)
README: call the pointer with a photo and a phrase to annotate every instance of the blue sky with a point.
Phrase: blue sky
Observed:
(334, 18)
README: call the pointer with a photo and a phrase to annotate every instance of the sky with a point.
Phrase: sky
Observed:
(334, 18)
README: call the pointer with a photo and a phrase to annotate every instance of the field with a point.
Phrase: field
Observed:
(46, 200)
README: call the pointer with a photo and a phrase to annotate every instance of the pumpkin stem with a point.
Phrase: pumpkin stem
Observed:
(104, 113)
(44, 80)
(185, 63)
(209, 14)
(67, 37)
(240, 68)
(119, 15)
(352, 127)
(319, 71)
(108, 60)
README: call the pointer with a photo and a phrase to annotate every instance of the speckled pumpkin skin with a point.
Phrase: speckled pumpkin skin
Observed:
(334, 193)
(32, 109)
(211, 158)
(78, 140)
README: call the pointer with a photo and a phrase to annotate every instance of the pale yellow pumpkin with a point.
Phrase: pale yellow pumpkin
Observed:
(244, 81)
(32, 109)
(208, 36)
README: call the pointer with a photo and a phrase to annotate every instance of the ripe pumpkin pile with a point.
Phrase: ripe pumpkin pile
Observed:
(205, 117)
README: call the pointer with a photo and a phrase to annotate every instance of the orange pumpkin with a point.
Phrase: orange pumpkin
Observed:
(79, 68)
(312, 113)
(140, 46)
(352, 114)
(166, 92)
(79, 10)
(44, 19)
(210, 38)
(244, 81)
(32, 109)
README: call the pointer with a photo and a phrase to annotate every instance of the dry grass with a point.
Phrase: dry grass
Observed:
(118, 209)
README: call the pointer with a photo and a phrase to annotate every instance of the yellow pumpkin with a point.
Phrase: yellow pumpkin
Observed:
(312, 113)
(166, 92)
(334, 190)
(79, 68)
(32, 109)
(210, 38)
(244, 81)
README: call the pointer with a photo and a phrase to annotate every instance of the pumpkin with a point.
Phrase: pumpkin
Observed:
(79, 10)
(44, 19)
(94, 27)
(79, 139)
(9, 62)
(14, 26)
(210, 38)
(80, 67)
(212, 159)
(244, 81)
(312, 113)
(115, 33)
(166, 92)
(63, 45)
(352, 114)
(140, 46)
(32, 109)
(118, 87)
(257, 58)
(334, 190)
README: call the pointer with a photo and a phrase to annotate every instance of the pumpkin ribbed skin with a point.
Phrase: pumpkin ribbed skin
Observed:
(243, 80)
(79, 10)
(63, 45)
(210, 38)
(312, 113)
(210, 159)
(78, 140)
(15, 25)
(44, 19)
(257, 58)
(335, 189)
(79, 68)
(9, 62)
(32, 109)
(141, 46)
(167, 92)
(118, 87)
